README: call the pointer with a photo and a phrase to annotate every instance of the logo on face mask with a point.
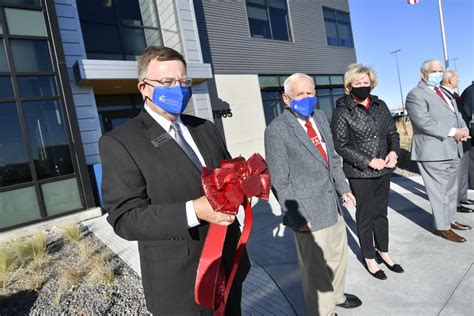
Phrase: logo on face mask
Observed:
(305, 106)
(171, 99)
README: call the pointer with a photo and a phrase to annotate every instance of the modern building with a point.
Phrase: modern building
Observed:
(68, 75)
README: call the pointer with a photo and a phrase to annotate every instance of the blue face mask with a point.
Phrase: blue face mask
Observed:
(171, 99)
(305, 106)
(434, 79)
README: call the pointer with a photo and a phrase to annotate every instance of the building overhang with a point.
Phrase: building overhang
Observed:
(120, 76)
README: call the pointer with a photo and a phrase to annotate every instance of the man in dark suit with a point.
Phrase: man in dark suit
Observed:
(152, 191)
(308, 181)
(449, 84)
(467, 97)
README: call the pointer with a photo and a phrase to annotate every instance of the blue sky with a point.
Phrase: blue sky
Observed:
(382, 26)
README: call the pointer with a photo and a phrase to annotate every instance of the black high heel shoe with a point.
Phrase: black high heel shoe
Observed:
(378, 274)
(395, 268)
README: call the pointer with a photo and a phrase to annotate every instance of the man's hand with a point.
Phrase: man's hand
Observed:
(348, 198)
(461, 135)
(305, 228)
(205, 212)
(377, 164)
(391, 160)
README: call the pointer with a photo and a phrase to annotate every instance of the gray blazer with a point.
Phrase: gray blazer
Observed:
(432, 120)
(306, 188)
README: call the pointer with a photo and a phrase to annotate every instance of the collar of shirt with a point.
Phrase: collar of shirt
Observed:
(164, 122)
(446, 99)
(302, 122)
(184, 131)
(367, 107)
(449, 89)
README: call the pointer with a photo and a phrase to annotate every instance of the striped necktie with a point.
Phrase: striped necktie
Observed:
(184, 145)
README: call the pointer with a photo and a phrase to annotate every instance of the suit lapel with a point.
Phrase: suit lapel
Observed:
(301, 135)
(167, 146)
(325, 136)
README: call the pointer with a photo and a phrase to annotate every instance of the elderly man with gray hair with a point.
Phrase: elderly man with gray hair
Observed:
(449, 84)
(438, 133)
(308, 182)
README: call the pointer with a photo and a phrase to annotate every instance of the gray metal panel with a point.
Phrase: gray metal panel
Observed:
(227, 45)
(84, 100)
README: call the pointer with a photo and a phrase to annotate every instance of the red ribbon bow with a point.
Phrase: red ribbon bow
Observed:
(226, 188)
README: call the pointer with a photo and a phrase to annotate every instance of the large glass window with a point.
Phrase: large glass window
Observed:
(14, 166)
(338, 28)
(31, 55)
(116, 110)
(38, 176)
(18, 206)
(269, 19)
(25, 22)
(61, 196)
(118, 29)
(37, 86)
(48, 138)
(6, 89)
(3, 58)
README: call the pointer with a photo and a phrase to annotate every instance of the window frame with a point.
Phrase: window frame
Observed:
(266, 7)
(64, 99)
(337, 23)
(119, 25)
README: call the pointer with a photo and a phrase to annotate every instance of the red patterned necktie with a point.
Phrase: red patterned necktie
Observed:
(438, 92)
(315, 139)
(458, 99)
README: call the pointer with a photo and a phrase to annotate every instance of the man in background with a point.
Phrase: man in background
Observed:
(449, 84)
(467, 97)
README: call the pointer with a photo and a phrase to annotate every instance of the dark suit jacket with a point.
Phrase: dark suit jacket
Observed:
(467, 97)
(147, 179)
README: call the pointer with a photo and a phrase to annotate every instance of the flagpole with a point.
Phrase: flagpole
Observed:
(443, 35)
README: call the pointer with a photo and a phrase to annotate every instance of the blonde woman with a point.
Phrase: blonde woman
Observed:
(366, 138)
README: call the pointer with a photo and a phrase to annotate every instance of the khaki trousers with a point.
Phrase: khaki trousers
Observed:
(322, 257)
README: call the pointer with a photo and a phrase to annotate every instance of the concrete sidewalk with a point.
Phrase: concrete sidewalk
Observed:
(438, 278)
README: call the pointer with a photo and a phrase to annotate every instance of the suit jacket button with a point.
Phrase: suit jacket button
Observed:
(330, 191)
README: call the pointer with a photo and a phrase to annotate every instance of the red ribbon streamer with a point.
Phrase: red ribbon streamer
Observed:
(226, 188)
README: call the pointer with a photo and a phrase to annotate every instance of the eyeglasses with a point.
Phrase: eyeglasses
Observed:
(169, 82)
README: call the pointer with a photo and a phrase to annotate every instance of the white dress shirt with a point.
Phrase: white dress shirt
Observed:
(302, 122)
(190, 213)
(452, 131)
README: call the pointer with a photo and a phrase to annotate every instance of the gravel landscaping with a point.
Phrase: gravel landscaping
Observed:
(77, 278)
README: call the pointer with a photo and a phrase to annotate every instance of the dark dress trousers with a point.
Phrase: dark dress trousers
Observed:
(147, 179)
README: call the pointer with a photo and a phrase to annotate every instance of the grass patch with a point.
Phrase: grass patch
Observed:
(405, 131)
(101, 271)
(8, 263)
(72, 233)
(85, 250)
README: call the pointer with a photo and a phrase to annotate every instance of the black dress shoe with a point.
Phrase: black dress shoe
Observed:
(395, 268)
(467, 202)
(463, 209)
(351, 301)
(378, 274)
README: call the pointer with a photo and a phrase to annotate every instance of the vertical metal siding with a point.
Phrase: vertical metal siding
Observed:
(84, 100)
